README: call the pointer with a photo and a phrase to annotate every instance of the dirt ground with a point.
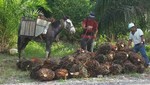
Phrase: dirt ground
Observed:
(122, 79)
(113, 80)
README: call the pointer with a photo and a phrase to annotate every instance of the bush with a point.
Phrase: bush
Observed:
(148, 50)
(147, 37)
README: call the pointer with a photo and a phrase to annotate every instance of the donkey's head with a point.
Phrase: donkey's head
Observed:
(68, 25)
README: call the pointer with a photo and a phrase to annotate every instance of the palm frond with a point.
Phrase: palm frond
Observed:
(113, 13)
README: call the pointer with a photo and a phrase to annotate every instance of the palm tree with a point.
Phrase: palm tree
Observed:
(114, 15)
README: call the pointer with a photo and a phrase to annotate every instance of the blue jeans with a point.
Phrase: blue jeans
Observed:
(87, 44)
(141, 48)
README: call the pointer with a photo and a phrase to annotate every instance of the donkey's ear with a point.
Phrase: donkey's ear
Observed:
(66, 17)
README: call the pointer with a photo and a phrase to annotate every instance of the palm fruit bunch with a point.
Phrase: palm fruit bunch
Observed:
(45, 74)
(42, 74)
(24, 64)
(74, 70)
(121, 45)
(101, 58)
(104, 49)
(135, 58)
(85, 56)
(116, 69)
(78, 70)
(128, 67)
(28, 64)
(110, 56)
(104, 68)
(36, 62)
(33, 72)
(92, 66)
(66, 62)
(140, 68)
(120, 57)
(51, 63)
(61, 74)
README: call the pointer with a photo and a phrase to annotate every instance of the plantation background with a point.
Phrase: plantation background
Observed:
(112, 15)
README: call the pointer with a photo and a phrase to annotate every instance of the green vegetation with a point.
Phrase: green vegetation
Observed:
(114, 15)
(59, 49)
(148, 50)
(147, 36)
(111, 15)
(11, 12)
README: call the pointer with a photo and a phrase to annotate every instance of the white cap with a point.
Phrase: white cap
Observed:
(130, 25)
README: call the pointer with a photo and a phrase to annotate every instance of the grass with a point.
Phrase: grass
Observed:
(137, 75)
(9, 72)
(58, 49)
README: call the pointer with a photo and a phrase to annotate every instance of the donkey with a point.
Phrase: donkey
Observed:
(54, 29)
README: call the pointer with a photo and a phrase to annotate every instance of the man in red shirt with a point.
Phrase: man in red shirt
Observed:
(90, 29)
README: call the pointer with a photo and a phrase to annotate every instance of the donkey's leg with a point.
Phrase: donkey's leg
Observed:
(19, 44)
(48, 49)
(22, 42)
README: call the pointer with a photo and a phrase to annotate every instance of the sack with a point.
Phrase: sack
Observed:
(33, 27)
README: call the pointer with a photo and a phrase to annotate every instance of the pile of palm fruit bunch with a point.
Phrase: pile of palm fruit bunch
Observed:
(109, 59)
(118, 59)
(71, 66)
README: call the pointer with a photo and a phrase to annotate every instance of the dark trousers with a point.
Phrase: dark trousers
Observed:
(87, 44)
(141, 48)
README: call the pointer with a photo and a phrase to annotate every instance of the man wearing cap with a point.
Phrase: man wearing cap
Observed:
(137, 36)
(90, 29)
